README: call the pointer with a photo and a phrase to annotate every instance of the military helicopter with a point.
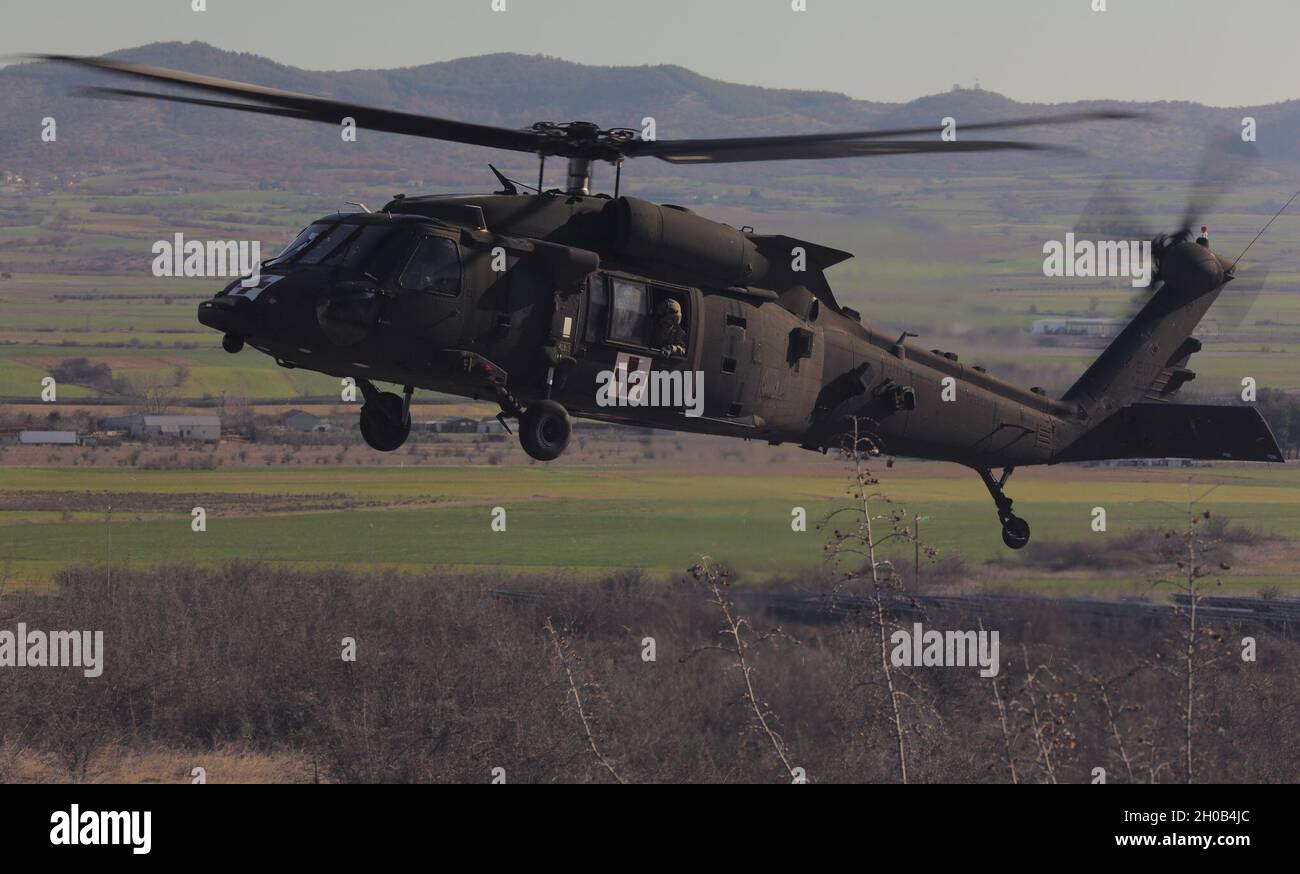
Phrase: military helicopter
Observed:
(531, 299)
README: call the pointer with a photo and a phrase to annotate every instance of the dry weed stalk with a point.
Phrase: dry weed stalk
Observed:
(716, 580)
(566, 656)
(860, 539)
(1049, 716)
(1105, 688)
(1002, 721)
(1188, 551)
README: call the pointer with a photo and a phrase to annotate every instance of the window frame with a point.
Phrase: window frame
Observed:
(348, 230)
(647, 314)
(682, 294)
(420, 239)
(596, 330)
(285, 257)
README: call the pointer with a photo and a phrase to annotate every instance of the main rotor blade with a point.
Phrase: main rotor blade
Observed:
(573, 141)
(850, 142)
(837, 149)
(304, 106)
(102, 91)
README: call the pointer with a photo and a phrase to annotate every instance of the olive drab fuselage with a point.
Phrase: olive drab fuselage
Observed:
(539, 303)
(533, 311)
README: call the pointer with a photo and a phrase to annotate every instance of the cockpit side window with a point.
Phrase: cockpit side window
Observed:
(434, 268)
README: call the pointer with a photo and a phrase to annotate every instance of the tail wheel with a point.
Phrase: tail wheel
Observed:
(544, 430)
(1015, 532)
(383, 425)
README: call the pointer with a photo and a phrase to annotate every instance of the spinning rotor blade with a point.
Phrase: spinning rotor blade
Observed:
(99, 91)
(303, 106)
(846, 144)
(578, 139)
(830, 149)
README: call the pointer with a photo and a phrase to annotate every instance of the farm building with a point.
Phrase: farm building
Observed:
(490, 425)
(177, 427)
(301, 420)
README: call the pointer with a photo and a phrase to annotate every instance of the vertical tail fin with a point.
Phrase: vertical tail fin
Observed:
(1147, 360)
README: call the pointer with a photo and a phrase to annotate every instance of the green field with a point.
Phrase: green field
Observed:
(593, 519)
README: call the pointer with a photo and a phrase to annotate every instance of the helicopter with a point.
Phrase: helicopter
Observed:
(537, 300)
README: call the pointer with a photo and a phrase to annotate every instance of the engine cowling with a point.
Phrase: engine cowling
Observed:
(645, 230)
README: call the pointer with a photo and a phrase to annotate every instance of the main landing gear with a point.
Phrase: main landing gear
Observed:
(544, 430)
(385, 416)
(544, 425)
(1015, 531)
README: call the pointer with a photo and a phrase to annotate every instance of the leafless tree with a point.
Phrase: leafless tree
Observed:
(152, 396)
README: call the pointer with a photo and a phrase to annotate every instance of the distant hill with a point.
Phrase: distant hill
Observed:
(516, 90)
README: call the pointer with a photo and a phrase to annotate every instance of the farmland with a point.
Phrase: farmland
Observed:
(659, 515)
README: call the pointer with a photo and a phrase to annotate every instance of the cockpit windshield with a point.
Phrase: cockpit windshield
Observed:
(305, 238)
(335, 245)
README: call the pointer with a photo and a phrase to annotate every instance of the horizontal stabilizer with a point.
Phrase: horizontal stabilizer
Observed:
(1197, 431)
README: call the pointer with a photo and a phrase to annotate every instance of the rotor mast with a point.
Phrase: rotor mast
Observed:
(578, 180)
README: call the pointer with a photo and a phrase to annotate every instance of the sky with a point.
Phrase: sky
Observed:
(1218, 52)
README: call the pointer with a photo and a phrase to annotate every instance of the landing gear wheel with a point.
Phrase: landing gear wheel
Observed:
(544, 430)
(384, 425)
(1015, 532)
(232, 343)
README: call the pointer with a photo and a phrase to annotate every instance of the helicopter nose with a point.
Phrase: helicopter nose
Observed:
(229, 314)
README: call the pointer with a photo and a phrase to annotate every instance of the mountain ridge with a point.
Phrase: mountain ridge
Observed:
(515, 90)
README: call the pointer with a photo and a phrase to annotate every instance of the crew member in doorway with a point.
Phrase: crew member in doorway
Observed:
(668, 336)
